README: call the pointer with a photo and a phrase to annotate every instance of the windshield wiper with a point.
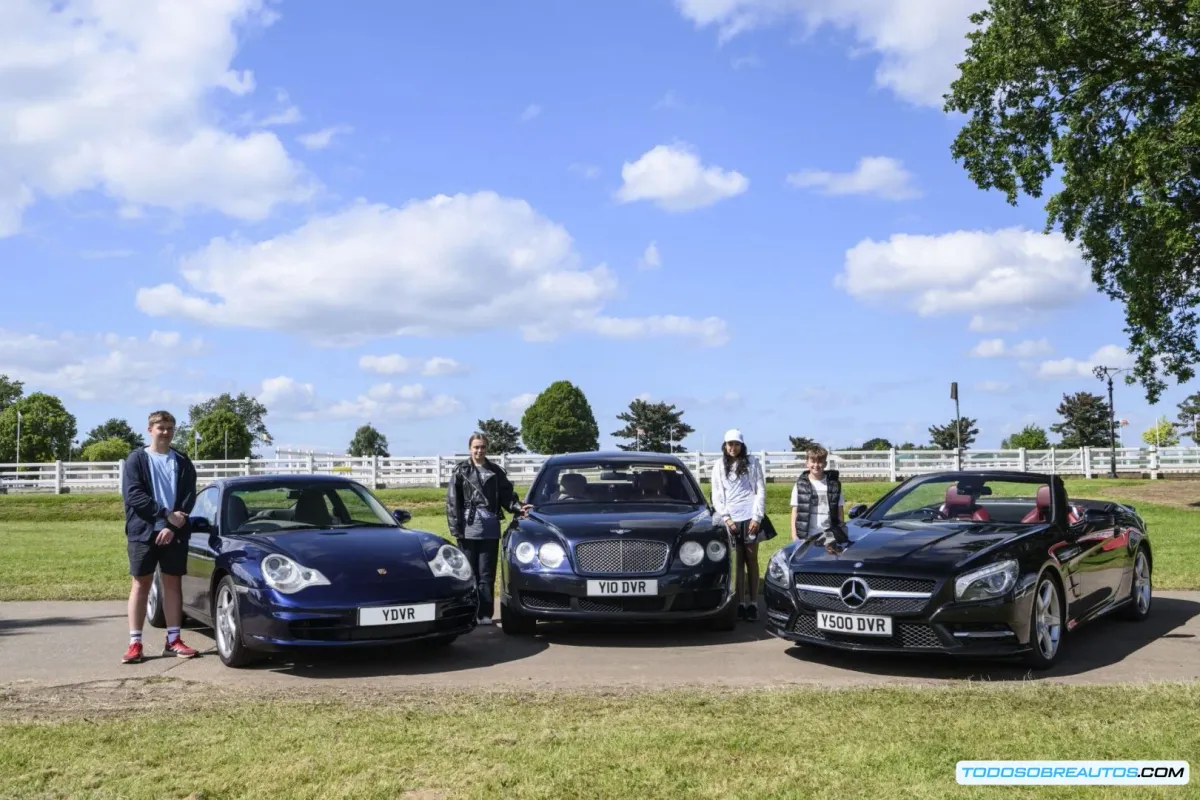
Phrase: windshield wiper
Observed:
(358, 524)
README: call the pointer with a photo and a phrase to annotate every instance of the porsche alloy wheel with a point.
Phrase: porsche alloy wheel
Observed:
(227, 624)
(156, 614)
(1046, 624)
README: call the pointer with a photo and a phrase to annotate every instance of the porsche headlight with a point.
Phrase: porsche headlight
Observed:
(691, 553)
(777, 570)
(551, 554)
(451, 563)
(525, 552)
(716, 550)
(284, 575)
(994, 580)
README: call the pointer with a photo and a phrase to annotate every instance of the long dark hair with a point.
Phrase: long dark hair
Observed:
(742, 459)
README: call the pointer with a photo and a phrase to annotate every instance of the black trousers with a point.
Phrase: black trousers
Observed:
(482, 555)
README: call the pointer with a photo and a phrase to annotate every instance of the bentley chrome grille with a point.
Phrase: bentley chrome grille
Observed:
(621, 556)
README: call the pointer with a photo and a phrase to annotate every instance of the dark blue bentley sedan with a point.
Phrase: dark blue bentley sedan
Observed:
(315, 561)
(615, 537)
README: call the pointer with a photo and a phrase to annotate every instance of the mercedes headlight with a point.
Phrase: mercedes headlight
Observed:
(285, 575)
(451, 563)
(525, 552)
(716, 550)
(777, 570)
(691, 553)
(551, 554)
(994, 580)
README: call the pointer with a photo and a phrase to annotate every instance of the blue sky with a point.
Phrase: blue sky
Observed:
(421, 214)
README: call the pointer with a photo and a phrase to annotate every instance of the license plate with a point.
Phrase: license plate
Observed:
(857, 624)
(397, 615)
(622, 588)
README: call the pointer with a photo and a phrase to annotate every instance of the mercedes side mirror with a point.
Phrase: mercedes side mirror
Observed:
(857, 510)
(401, 516)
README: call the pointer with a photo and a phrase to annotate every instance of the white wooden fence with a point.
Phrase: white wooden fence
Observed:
(784, 466)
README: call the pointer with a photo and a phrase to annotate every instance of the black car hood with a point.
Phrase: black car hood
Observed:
(642, 521)
(354, 554)
(918, 545)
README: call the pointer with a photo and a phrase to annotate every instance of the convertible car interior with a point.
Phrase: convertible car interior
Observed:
(973, 502)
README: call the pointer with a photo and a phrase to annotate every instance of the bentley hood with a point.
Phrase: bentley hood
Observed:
(661, 523)
(917, 545)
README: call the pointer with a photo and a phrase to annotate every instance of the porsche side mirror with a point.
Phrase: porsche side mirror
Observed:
(401, 516)
(857, 510)
(200, 525)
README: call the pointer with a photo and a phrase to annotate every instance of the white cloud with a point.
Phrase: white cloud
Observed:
(874, 175)
(105, 366)
(291, 399)
(650, 259)
(589, 171)
(319, 140)
(531, 111)
(919, 44)
(1008, 274)
(439, 365)
(1108, 356)
(395, 364)
(112, 96)
(710, 331)
(461, 264)
(993, 387)
(996, 348)
(515, 407)
(673, 177)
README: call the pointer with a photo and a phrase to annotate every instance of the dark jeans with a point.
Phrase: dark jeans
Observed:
(482, 555)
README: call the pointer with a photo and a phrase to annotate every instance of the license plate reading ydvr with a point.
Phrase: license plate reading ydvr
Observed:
(397, 615)
(858, 624)
(622, 588)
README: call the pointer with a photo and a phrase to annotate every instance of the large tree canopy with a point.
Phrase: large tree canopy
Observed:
(1099, 92)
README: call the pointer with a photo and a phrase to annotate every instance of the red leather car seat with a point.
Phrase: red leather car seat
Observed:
(1040, 512)
(962, 506)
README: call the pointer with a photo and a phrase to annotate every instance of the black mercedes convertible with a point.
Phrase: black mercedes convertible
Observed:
(963, 563)
(615, 537)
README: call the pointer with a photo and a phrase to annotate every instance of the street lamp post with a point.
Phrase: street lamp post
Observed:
(1106, 373)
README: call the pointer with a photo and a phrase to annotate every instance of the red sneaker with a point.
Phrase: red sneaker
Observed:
(179, 649)
(134, 654)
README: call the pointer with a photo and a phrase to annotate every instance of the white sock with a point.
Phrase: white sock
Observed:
(135, 637)
(172, 634)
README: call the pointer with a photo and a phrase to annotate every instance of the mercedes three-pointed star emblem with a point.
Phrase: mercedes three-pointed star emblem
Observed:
(854, 592)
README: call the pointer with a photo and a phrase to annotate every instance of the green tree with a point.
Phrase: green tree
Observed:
(503, 437)
(1099, 95)
(10, 391)
(1085, 421)
(213, 428)
(368, 441)
(560, 420)
(661, 425)
(1189, 416)
(47, 429)
(801, 444)
(114, 429)
(1162, 433)
(943, 437)
(1031, 437)
(248, 409)
(876, 444)
(114, 449)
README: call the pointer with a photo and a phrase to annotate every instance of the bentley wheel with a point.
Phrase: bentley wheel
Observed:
(227, 625)
(1142, 592)
(1046, 624)
(726, 620)
(515, 623)
(156, 614)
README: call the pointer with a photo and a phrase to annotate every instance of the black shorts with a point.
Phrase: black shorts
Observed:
(170, 558)
(741, 533)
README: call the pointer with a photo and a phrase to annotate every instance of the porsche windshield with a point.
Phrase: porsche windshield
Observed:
(303, 506)
(1010, 500)
(624, 482)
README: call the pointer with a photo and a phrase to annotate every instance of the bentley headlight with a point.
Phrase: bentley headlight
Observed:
(451, 563)
(716, 550)
(284, 575)
(551, 554)
(525, 552)
(777, 570)
(691, 553)
(994, 580)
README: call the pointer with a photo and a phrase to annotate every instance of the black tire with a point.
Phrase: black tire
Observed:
(1047, 624)
(727, 620)
(1139, 605)
(227, 626)
(514, 623)
(156, 612)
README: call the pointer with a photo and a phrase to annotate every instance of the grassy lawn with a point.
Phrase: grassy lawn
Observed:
(792, 743)
(71, 547)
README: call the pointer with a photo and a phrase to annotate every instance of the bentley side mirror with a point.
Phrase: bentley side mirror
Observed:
(857, 510)
(401, 516)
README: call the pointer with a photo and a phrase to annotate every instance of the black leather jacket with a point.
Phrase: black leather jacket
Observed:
(465, 494)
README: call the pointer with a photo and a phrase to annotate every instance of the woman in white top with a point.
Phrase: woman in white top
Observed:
(739, 495)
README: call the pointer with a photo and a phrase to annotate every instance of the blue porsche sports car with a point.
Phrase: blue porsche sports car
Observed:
(310, 561)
